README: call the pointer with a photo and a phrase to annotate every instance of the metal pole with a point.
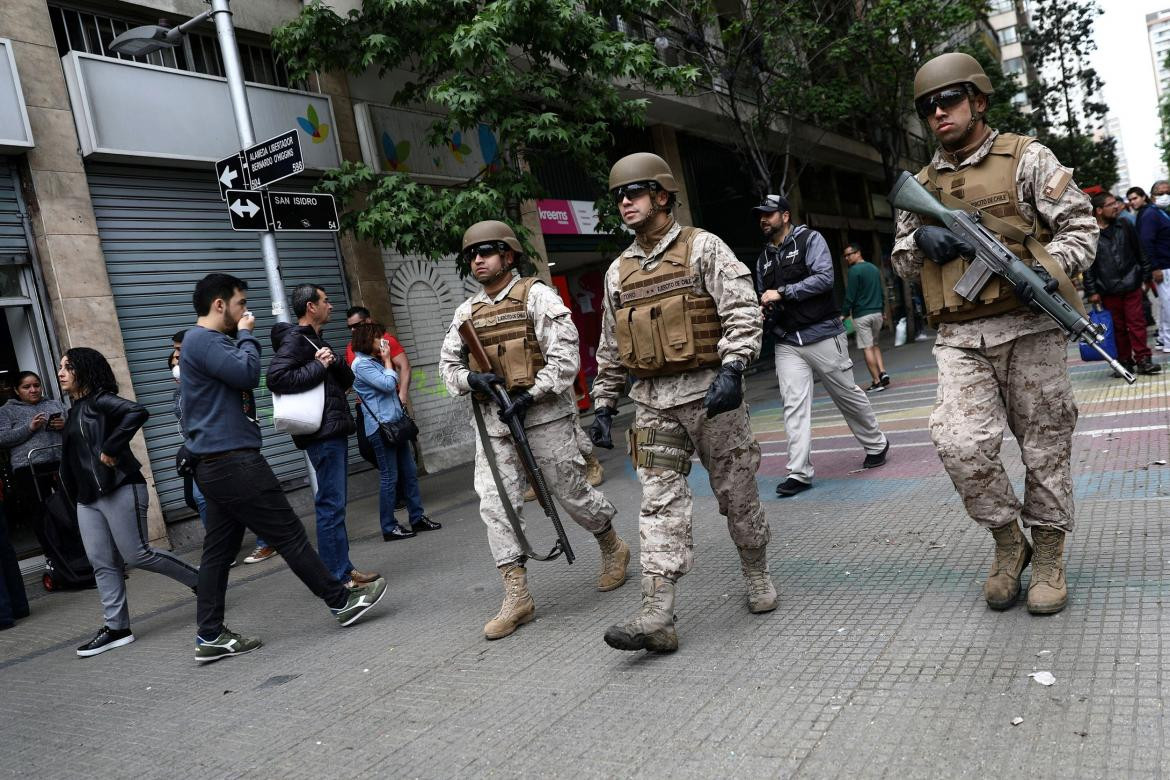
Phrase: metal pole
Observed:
(234, 73)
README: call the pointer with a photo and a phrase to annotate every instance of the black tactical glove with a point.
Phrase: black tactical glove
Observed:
(726, 392)
(482, 383)
(599, 431)
(517, 407)
(1026, 294)
(941, 245)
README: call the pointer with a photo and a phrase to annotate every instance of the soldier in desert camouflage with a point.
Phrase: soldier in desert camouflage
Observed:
(1000, 364)
(531, 341)
(680, 313)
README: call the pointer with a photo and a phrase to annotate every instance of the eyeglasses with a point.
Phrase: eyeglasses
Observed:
(633, 191)
(486, 249)
(946, 99)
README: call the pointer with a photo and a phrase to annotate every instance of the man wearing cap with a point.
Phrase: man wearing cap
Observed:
(1000, 364)
(794, 278)
(531, 342)
(680, 315)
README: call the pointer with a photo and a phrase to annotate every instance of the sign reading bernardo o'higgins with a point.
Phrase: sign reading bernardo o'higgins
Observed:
(129, 111)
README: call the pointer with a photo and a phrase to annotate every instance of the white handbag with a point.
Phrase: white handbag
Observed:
(299, 413)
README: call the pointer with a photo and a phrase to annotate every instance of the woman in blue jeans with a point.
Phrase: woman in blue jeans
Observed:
(376, 383)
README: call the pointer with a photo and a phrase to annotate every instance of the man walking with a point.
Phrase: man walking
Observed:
(680, 314)
(302, 361)
(1000, 364)
(865, 303)
(794, 279)
(531, 342)
(1115, 280)
(1154, 229)
(218, 375)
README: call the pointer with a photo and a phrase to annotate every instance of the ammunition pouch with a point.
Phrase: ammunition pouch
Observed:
(638, 438)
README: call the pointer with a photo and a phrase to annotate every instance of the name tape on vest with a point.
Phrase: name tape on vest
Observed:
(628, 296)
(487, 322)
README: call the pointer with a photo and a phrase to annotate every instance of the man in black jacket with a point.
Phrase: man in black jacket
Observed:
(1115, 280)
(303, 360)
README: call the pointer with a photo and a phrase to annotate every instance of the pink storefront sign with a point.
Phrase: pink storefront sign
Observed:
(556, 218)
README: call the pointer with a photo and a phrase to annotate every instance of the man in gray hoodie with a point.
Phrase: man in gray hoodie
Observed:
(794, 279)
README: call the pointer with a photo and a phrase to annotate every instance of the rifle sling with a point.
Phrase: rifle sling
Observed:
(509, 510)
(1068, 290)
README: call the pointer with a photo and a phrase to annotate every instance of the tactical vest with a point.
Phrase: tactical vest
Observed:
(666, 323)
(792, 316)
(508, 337)
(990, 188)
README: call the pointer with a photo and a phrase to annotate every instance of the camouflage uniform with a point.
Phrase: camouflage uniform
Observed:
(550, 423)
(674, 403)
(1009, 368)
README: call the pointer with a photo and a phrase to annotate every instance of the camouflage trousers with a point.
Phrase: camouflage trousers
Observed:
(1022, 385)
(557, 452)
(731, 455)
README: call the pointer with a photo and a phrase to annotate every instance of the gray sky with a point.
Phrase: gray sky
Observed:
(1124, 62)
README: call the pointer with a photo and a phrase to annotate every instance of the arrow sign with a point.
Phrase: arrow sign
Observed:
(230, 172)
(273, 160)
(302, 211)
(246, 210)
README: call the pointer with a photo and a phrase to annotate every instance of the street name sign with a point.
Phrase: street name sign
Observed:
(272, 160)
(247, 210)
(303, 211)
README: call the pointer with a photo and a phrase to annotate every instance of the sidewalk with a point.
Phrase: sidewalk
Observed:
(882, 659)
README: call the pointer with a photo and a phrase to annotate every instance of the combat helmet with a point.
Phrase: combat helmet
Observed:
(490, 230)
(642, 166)
(947, 69)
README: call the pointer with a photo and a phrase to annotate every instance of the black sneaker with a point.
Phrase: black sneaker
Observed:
(877, 458)
(107, 639)
(1148, 366)
(791, 486)
(397, 533)
(425, 523)
(885, 379)
(876, 387)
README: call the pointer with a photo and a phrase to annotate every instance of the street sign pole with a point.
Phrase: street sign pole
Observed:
(221, 12)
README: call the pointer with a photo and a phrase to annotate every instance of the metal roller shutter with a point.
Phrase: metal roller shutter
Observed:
(12, 237)
(162, 230)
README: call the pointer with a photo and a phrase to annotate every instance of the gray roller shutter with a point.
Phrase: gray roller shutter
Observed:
(12, 237)
(161, 231)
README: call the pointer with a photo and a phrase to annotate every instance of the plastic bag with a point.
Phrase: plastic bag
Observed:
(900, 332)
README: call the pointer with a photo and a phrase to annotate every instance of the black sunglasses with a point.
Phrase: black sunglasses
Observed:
(946, 99)
(633, 191)
(486, 249)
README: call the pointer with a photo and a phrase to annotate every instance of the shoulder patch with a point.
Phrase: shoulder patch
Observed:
(1056, 184)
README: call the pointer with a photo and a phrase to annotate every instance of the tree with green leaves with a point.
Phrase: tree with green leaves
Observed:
(1070, 113)
(545, 75)
(1002, 114)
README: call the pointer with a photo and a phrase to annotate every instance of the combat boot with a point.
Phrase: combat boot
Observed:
(1012, 554)
(762, 596)
(653, 627)
(1048, 592)
(518, 607)
(615, 557)
(594, 473)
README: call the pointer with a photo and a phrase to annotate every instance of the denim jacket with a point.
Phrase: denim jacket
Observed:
(377, 386)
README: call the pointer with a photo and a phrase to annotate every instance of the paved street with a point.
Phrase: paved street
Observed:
(882, 660)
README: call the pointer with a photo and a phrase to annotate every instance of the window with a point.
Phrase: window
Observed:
(198, 53)
(1007, 35)
(1020, 99)
(1014, 65)
(1001, 6)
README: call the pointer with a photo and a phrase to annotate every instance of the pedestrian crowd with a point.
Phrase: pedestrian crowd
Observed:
(682, 319)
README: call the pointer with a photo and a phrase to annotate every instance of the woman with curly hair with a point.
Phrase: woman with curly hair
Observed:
(99, 472)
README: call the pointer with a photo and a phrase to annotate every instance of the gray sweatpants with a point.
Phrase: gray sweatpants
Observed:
(829, 360)
(113, 530)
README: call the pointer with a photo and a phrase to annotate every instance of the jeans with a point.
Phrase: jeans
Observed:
(329, 461)
(13, 602)
(242, 492)
(396, 466)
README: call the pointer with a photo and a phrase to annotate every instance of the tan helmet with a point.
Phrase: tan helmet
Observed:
(947, 69)
(642, 166)
(490, 230)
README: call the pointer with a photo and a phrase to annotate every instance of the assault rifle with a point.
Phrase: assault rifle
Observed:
(992, 257)
(527, 460)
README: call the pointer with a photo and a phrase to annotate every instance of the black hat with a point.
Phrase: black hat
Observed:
(773, 203)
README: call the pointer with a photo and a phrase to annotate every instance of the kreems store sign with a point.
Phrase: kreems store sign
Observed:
(567, 217)
(126, 110)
